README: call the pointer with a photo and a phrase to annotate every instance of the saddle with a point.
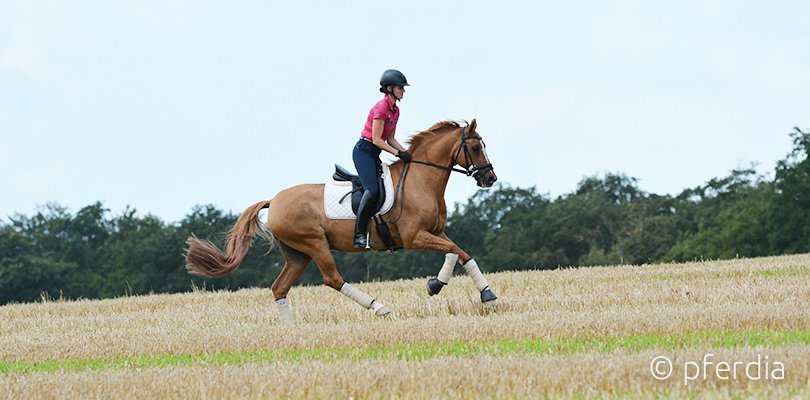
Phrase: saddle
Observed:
(343, 175)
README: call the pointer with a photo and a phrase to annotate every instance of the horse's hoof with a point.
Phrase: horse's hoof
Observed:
(383, 311)
(434, 286)
(489, 298)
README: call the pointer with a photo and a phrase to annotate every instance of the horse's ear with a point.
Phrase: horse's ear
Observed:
(472, 125)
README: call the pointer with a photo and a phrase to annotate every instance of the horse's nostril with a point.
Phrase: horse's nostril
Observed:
(492, 179)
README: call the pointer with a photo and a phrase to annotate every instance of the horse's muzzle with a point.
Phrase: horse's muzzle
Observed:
(491, 178)
(486, 179)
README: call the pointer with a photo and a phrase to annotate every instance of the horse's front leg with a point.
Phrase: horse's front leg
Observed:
(428, 241)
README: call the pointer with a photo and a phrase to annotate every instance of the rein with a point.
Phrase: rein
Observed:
(471, 170)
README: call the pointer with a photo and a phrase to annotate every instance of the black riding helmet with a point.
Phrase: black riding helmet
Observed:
(392, 77)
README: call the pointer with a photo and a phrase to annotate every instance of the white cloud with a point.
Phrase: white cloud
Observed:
(560, 91)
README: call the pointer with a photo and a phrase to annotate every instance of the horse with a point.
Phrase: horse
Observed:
(297, 223)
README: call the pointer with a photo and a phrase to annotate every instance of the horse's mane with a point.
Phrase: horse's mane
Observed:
(420, 138)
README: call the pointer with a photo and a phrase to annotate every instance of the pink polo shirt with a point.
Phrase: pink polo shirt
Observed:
(385, 111)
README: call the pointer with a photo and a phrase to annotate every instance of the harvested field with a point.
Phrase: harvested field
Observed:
(585, 332)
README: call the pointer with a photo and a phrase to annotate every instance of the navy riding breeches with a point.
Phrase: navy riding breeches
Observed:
(366, 158)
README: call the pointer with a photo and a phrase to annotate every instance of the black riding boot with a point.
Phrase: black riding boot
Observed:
(366, 209)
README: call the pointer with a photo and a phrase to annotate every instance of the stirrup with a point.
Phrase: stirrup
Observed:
(363, 242)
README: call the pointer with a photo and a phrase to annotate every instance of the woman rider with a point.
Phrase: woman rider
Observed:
(378, 134)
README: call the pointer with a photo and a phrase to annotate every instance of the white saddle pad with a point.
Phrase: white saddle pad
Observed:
(334, 190)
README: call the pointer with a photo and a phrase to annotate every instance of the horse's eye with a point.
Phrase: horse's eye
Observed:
(476, 148)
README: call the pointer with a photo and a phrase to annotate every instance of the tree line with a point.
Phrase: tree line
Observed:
(606, 220)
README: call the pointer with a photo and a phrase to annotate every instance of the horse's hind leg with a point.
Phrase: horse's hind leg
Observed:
(295, 264)
(331, 277)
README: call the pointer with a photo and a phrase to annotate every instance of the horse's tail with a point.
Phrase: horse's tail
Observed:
(206, 259)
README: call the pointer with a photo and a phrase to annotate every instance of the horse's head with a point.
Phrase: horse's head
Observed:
(471, 154)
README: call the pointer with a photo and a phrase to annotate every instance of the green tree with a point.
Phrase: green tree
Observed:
(648, 231)
(728, 218)
(790, 228)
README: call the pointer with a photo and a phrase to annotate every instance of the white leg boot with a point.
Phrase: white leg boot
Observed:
(364, 300)
(284, 312)
(435, 285)
(487, 297)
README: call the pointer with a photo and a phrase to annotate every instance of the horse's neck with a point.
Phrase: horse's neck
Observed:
(432, 181)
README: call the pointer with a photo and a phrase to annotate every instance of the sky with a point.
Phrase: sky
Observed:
(163, 105)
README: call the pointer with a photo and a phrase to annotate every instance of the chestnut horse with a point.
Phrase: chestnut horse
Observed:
(297, 223)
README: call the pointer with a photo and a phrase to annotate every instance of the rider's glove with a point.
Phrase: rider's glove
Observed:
(404, 156)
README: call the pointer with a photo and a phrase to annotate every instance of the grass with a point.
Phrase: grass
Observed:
(423, 351)
(795, 270)
(580, 375)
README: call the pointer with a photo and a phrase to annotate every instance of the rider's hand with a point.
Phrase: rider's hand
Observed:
(404, 156)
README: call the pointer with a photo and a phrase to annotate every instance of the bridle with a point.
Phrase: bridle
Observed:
(471, 169)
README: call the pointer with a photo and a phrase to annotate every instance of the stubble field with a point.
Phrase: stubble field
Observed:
(584, 333)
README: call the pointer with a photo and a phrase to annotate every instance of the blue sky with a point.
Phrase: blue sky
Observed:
(162, 105)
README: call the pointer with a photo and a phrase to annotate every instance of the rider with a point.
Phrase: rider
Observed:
(378, 134)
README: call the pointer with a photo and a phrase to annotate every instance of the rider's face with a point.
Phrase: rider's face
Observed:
(399, 92)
